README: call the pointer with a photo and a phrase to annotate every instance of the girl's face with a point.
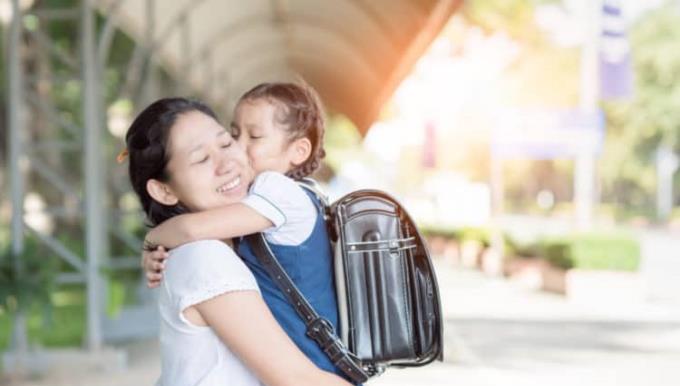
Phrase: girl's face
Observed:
(266, 142)
(207, 167)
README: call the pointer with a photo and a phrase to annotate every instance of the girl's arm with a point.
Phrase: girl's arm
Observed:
(245, 324)
(226, 222)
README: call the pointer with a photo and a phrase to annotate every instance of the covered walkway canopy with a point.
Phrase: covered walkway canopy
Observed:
(354, 52)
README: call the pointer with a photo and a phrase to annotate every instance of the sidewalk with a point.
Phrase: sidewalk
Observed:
(498, 333)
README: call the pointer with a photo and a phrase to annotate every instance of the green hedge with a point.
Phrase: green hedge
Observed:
(591, 251)
(465, 233)
(63, 326)
(437, 231)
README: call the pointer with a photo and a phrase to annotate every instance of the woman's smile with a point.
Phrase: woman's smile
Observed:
(230, 185)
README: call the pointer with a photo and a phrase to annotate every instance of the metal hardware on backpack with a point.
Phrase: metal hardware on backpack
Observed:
(388, 298)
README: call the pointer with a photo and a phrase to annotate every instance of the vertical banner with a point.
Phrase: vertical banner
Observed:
(616, 73)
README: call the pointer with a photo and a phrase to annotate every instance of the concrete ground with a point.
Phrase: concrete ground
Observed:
(498, 332)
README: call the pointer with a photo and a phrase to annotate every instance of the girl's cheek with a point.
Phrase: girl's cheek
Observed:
(252, 153)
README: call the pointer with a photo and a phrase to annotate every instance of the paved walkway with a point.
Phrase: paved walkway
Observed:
(498, 333)
(661, 265)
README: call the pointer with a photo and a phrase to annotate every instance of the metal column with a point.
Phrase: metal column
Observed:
(148, 85)
(15, 111)
(95, 236)
(15, 116)
(585, 165)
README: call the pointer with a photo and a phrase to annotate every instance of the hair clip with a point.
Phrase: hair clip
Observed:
(122, 155)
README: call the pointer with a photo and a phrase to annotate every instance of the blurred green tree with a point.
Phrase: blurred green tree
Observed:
(637, 127)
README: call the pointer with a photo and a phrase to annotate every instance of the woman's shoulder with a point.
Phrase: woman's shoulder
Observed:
(209, 247)
(205, 259)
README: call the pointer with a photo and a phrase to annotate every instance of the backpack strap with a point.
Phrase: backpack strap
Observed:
(318, 328)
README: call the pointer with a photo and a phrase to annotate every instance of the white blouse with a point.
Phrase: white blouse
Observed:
(191, 354)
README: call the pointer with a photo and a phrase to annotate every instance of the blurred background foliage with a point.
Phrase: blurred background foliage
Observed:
(545, 74)
(636, 127)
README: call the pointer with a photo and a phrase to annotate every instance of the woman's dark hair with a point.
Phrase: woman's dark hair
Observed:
(147, 145)
(300, 111)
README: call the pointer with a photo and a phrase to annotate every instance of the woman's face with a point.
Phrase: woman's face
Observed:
(207, 167)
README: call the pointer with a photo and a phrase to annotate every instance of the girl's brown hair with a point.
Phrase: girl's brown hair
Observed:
(300, 112)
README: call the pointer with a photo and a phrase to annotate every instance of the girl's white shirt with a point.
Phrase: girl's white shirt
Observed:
(190, 354)
(285, 203)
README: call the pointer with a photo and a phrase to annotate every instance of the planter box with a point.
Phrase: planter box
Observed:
(527, 271)
(583, 286)
(554, 279)
(492, 262)
(436, 245)
(452, 252)
(471, 253)
(588, 286)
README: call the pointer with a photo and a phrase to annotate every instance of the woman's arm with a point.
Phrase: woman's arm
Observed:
(220, 223)
(245, 324)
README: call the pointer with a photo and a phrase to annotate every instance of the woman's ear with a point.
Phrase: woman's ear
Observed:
(301, 149)
(161, 192)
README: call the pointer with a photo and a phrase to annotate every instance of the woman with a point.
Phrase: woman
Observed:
(215, 327)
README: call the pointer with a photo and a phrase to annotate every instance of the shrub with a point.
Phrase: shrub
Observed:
(33, 282)
(478, 234)
(438, 231)
(617, 252)
(559, 255)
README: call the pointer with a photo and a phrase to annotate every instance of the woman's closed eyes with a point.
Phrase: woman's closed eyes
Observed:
(203, 160)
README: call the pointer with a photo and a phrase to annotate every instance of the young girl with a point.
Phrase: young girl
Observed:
(281, 127)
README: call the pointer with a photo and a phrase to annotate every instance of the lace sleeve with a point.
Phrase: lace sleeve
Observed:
(203, 270)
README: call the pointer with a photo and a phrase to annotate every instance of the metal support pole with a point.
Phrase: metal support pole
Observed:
(15, 115)
(15, 111)
(147, 91)
(95, 234)
(497, 207)
(584, 168)
(666, 165)
(497, 186)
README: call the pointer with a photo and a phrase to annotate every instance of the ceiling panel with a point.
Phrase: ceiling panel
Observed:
(353, 51)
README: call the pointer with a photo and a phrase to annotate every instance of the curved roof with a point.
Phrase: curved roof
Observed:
(354, 52)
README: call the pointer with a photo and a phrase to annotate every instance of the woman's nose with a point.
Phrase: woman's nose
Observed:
(224, 163)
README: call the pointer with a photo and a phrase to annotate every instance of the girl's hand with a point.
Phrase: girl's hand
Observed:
(153, 263)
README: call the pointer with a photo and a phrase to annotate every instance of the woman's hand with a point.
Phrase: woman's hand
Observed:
(153, 263)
